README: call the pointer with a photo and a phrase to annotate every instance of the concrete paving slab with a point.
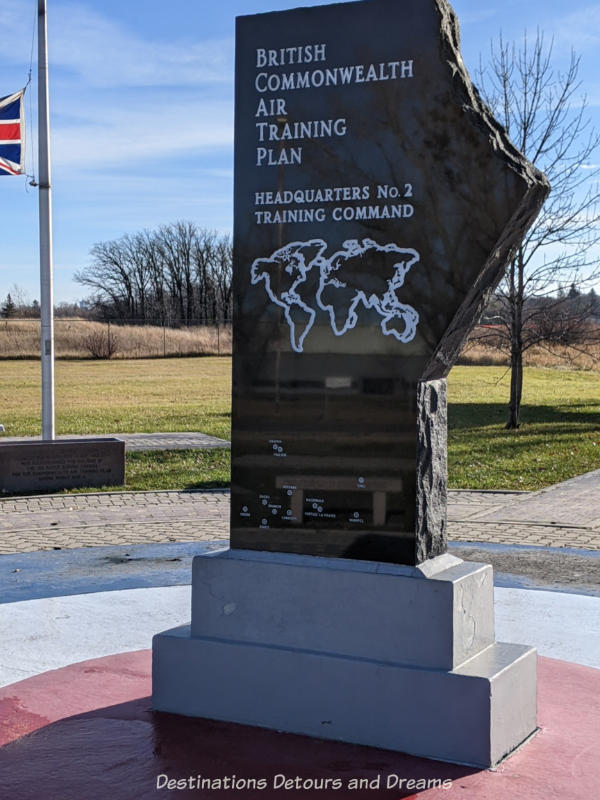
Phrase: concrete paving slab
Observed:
(102, 519)
(522, 533)
(573, 503)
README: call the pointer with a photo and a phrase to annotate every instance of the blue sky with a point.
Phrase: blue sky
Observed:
(142, 113)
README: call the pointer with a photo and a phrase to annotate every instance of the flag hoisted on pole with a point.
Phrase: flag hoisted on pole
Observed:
(45, 213)
(12, 134)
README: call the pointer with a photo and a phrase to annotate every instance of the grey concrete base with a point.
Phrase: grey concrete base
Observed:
(389, 656)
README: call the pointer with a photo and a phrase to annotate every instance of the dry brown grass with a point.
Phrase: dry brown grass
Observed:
(21, 339)
(583, 356)
(586, 357)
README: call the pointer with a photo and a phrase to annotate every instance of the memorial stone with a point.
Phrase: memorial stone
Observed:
(42, 466)
(376, 204)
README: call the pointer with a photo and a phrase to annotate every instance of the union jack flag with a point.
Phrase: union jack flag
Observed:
(12, 134)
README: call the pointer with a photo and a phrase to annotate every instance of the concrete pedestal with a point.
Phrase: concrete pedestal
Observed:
(386, 655)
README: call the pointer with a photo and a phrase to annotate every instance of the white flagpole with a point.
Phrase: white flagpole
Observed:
(46, 297)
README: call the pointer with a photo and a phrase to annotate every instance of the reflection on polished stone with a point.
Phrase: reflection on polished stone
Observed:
(376, 202)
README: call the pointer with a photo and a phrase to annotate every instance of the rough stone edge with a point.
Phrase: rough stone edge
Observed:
(536, 189)
(431, 535)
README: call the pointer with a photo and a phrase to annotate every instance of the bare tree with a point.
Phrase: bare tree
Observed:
(176, 274)
(222, 277)
(547, 119)
(176, 243)
(203, 257)
(108, 275)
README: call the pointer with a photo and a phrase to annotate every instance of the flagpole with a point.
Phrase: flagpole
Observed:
(45, 216)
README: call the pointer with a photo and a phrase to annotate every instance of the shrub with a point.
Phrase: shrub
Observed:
(101, 344)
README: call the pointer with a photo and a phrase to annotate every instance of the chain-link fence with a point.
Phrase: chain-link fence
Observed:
(124, 338)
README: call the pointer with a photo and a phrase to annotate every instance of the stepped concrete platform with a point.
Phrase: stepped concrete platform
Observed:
(100, 710)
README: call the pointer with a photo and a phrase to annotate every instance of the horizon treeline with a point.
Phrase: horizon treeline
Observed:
(177, 274)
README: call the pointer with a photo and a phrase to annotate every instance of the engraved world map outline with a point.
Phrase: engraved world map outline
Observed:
(299, 278)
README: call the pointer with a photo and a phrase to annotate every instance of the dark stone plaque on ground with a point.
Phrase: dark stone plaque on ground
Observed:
(61, 464)
(376, 204)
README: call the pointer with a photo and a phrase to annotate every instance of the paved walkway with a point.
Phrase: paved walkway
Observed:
(84, 520)
(565, 515)
(146, 441)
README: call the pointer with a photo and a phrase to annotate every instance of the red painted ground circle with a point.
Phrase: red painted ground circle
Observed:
(86, 732)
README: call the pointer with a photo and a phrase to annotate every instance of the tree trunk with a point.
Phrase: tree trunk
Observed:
(517, 296)
(516, 387)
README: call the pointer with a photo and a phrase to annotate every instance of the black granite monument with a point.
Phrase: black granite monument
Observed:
(376, 204)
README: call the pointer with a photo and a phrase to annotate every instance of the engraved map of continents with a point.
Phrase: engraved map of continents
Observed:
(301, 278)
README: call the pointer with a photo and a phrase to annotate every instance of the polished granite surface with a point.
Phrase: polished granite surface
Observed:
(375, 204)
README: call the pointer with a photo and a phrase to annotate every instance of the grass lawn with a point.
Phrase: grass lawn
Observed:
(559, 436)
(122, 396)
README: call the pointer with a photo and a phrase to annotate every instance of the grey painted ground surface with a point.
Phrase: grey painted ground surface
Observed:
(26, 576)
(548, 568)
(42, 634)
(54, 573)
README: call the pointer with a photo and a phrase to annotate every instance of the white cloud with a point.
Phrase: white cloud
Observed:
(146, 134)
(104, 53)
(117, 98)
